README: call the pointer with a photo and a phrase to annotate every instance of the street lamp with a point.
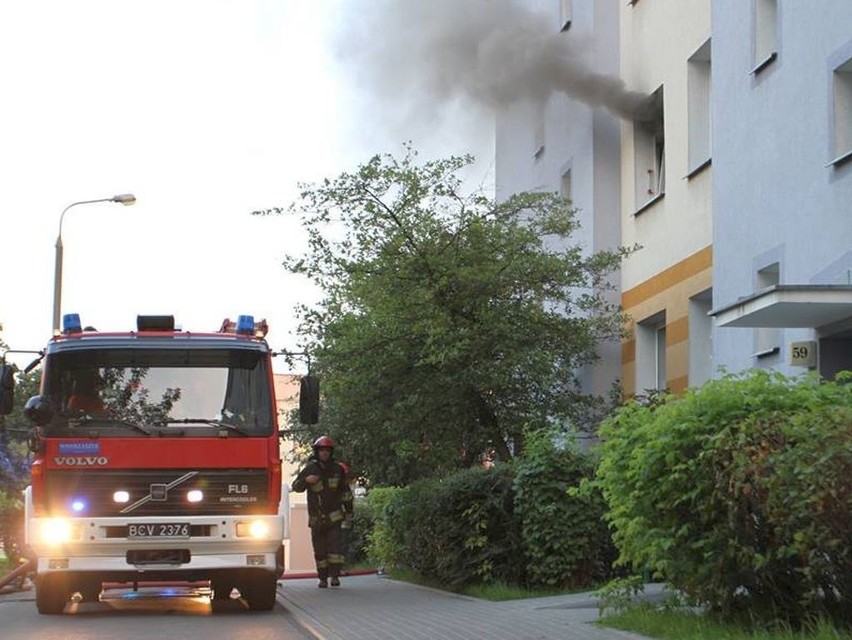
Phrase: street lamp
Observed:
(126, 199)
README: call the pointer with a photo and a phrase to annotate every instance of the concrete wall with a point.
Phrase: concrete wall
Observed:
(298, 555)
(575, 138)
(669, 276)
(777, 197)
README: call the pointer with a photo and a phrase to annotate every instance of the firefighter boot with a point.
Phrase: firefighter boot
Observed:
(322, 574)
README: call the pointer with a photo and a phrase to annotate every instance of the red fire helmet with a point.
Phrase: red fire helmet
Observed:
(323, 442)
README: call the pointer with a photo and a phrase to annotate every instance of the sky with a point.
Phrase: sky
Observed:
(205, 110)
(208, 110)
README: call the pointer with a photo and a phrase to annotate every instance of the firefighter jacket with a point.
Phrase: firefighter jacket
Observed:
(330, 499)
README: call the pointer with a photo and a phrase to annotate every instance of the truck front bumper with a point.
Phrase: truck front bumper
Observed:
(157, 547)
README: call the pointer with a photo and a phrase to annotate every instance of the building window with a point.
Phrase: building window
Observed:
(767, 340)
(842, 81)
(698, 87)
(565, 14)
(649, 147)
(765, 33)
(565, 185)
(651, 353)
(538, 132)
(700, 338)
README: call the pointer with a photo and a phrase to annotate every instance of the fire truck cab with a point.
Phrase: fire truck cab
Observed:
(156, 457)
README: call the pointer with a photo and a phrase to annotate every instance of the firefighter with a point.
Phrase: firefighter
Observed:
(329, 508)
(85, 396)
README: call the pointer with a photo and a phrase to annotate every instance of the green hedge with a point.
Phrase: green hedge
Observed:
(512, 524)
(566, 541)
(739, 493)
(457, 530)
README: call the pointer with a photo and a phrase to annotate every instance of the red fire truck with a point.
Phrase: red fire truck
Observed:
(156, 458)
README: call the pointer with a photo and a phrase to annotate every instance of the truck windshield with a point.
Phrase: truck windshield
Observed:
(163, 391)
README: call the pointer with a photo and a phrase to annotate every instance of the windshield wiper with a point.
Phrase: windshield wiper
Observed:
(211, 422)
(84, 420)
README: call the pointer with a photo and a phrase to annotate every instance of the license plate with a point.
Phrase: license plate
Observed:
(158, 530)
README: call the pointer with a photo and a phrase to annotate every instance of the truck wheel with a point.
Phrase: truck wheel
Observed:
(259, 590)
(221, 588)
(89, 588)
(52, 593)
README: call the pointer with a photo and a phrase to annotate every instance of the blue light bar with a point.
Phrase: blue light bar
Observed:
(245, 325)
(77, 506)
(71, 323)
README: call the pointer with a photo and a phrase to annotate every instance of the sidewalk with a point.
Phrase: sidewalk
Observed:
(375, 607)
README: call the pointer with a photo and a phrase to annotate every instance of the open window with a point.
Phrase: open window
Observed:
(649, 145)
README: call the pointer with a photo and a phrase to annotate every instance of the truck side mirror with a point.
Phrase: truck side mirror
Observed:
(7, 389)
(309, 399)
(39, 410)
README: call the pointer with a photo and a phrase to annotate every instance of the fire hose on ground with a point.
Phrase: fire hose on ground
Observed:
(19, 573)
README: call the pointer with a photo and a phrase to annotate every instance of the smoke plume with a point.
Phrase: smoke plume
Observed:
(495, 52)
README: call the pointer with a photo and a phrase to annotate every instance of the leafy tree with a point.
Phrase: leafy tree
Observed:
(450, 323)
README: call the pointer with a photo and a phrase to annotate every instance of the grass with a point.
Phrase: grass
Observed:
(680, 625)
(498, 592)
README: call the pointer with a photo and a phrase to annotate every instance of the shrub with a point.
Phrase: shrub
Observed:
(455, 531)
(739, 493)
(381, 546)
(355, 542)
(565, 538)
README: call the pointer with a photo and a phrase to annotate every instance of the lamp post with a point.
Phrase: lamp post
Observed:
(126, 199)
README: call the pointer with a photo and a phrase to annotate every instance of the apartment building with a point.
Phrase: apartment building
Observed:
(782, 155)
(734, 178)
(666, 195)
(565, 146)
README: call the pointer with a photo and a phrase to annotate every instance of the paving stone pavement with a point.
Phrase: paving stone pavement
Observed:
(374, 607)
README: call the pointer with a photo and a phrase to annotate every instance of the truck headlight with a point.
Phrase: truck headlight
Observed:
(255, 529)
(56, 531)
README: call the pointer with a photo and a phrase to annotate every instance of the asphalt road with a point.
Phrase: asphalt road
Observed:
(150, 614)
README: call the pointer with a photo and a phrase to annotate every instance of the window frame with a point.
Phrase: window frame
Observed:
(649, 148)
(840, 89)
(765, 34)
(566, 14)
(699, 108)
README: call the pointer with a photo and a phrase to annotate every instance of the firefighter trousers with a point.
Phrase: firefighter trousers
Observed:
(328, 549)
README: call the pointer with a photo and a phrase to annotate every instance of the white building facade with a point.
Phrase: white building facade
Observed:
(567, 147)
(735, 179)
(782, 153)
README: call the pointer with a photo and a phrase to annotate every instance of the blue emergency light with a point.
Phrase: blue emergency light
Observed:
(245, 325)
(71, 323)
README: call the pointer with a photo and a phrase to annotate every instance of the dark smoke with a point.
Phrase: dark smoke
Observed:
(492, 51)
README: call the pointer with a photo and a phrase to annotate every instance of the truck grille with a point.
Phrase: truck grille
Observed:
(157, 492)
